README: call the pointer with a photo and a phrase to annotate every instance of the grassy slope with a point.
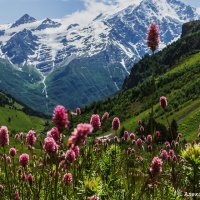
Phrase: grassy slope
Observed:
(187, 118)
(19, 121)
(188, 114)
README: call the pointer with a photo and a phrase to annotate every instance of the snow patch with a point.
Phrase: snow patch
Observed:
(127, 51)
(124, 65)
(116, 86)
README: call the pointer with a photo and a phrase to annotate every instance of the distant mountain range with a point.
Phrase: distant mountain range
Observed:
(49, 62)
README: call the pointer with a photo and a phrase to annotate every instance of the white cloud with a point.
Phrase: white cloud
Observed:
(94, 7)
(198, 10)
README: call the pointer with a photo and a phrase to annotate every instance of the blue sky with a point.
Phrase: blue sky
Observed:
(11, 10)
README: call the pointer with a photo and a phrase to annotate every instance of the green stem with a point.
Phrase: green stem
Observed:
(7, 172)
(14, 170)
(168, 125)
(46, 187)
(56, 182)
(153, 93)
(51, 188)
(67, 191)
(127, 172)
(22, 190)
(41, 175)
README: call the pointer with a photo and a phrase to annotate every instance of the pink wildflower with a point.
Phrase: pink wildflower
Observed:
(167, 144)
(50, 146)
(116, 139)
(156, 166)
(176, 144)
(163, 102)
(105, 117)
(169, 158)
(164, 154)
(141, 129)
(13, 152)
(107, 140)
(78, 111)
(54, 133)
(149, 139)
(129, 151)
(4, 137)
(139, 142)
(60, 118)
(16, 136)
(174, 158)
(79, 134)
(180, 135)
(23, 177)
(157, 134)
(133, 142)
(19, 170)
(132, 136)
(70, 156)
(17, 197)
(171, 152)
(67, 178)
(95, 122)
(126, 135)
(8, 159)
(24, 159)
(153, 37)
(94, 197)
(76, 151)
(30, 179)
(115, 124)
(99, 141)
(30, 147)
(21, 135)
(30, 138)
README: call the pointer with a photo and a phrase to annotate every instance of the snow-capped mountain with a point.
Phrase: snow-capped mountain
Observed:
(23, 20)
(109, 45)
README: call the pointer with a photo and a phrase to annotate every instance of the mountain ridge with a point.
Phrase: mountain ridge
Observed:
(102, 52)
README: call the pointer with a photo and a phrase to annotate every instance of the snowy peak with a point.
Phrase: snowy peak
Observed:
(23, 20)
(159, 9)
(184, 11)
(48, 23)
(20, 46)
(72, 26)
